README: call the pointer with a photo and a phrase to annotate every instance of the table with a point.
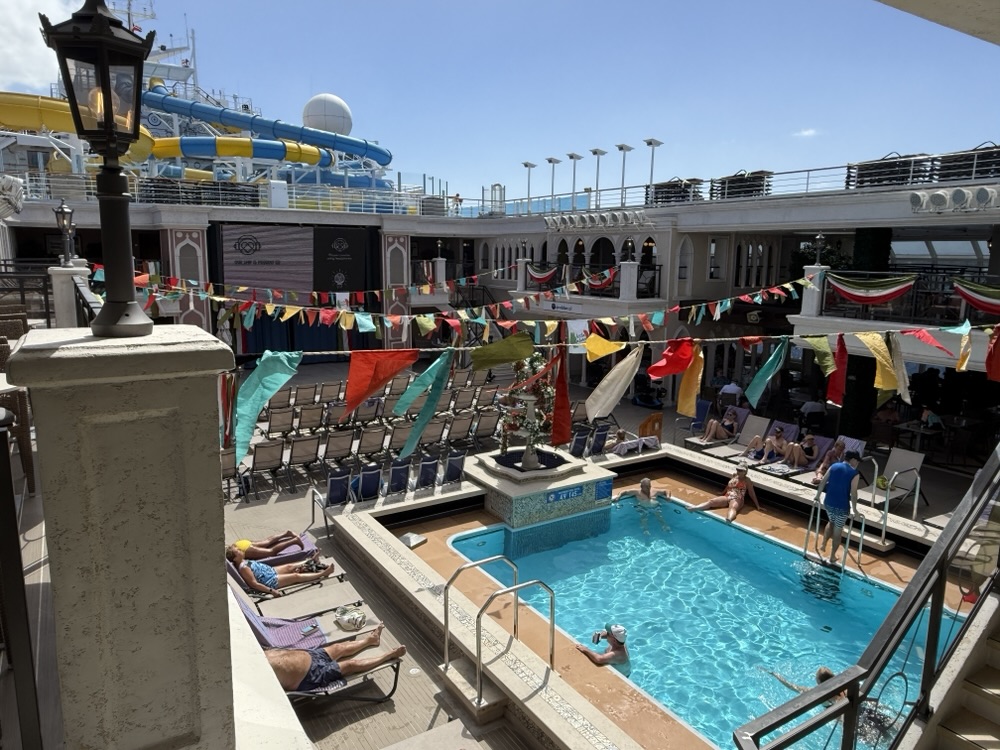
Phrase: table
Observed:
(918, 430)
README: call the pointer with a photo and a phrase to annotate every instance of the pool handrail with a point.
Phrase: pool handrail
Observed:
(925, 593)
(447, 586)
(479, 629)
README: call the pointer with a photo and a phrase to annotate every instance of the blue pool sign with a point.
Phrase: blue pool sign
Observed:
(602, 489)
(567, 494)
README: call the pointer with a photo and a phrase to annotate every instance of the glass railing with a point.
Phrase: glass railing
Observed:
(874, 702)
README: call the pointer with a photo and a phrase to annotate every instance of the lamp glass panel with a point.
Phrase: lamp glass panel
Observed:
(86, 83)
(123, 97)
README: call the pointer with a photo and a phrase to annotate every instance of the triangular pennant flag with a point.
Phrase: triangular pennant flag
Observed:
(687, 394)
(515, 347)
(561, 416)
(328, 316)
(370, 370)
(273, 370)
(837, 381)
(610, 390)
(756, 388)
(885, 376)
(290, 312)
(676, 359)
(921, 334)
(364, 322)
(346, 320)
(822, 352)
(895, 346)
(311, 315)
(598, 346)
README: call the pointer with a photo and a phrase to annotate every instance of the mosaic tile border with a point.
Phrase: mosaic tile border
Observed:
(524, 672)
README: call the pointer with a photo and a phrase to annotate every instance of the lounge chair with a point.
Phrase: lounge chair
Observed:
(694, 424)
(372, 442)
(433, 435)
(329, 393)
(426, 473)
(850, 444)
(742, 415)
(486, 428)
(258, 596)
(304, 395)
(303, 451)
(400, 434)
(579, 414)
(338, 494)
(312, 417)
(459, 429)
(463, 399)
(293, 554)
(781, 469)
(398, 385)
(599, 439)
(279, 422)
(365, 485)
(267, 456)
(789, 431)
(399, 477)
(578, 445)
(280, 400)
(753, 425)
(454, 468)
(902, 471)
(339, 445)
(479, 378)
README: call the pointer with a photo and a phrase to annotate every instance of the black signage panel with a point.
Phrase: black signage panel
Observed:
(340, 259)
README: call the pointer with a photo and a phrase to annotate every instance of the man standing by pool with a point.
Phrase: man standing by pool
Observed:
(616, 653)
(841, 485)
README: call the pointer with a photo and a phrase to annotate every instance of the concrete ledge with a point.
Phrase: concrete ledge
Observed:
(541, 701)
(264, 717)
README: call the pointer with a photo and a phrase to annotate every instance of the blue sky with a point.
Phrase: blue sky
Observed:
(468, 91)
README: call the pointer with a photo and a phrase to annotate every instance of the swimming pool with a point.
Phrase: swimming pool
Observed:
(707, 606)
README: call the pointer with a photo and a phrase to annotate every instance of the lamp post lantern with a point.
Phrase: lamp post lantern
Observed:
(629, 248)
(440, 244)
(529, 166)
(101, 65)
(624, 148)
(552, 192)
(64, 220)
(598, 152)
(652, 143)
(574, 158)
(819, 244)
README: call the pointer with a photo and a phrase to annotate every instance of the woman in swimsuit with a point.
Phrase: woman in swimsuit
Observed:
(832, 456)
(737, 489)
(800, 454)
(723, 429)
(268, 547)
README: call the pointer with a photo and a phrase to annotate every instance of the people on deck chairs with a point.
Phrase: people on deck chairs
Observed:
(262, 577)
(768, 450)
(738, 487)
(831, 457)
(300, 669)
(799, 454)
(269, 547)
(724, 429)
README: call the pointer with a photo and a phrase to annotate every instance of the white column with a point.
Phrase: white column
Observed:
(812, 299)
(522, 274)
(441, 273)
(64, 293)
(128, 444)
(628, 280)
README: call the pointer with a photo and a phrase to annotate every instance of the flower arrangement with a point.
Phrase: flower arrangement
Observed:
(516, 417)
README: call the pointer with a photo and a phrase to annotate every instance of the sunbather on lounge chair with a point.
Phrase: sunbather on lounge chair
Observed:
(310, 669)
(268, 547)
(800, 454)
(266, 579)
(832, 456)
(767, 450)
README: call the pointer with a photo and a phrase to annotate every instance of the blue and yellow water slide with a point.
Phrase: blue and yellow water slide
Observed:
(294, 139)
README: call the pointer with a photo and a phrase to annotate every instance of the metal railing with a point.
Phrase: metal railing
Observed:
(29, 284)
(890, 686)
(932, 299)
(87, 303)
(447, 588)
(479, 629)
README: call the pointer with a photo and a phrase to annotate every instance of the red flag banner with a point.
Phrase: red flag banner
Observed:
(871, 291)
(561, 417)
(676, 359)
(837, 381)
(921, 334)
(370, 370)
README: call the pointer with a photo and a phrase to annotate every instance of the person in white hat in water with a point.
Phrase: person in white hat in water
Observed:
(616, 654)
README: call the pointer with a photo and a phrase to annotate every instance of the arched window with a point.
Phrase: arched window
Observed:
(484, 258)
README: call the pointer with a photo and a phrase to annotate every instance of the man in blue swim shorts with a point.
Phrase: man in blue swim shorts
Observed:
(303, 670)
(841, 485)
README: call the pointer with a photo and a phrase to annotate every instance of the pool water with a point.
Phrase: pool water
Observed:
(707, 607)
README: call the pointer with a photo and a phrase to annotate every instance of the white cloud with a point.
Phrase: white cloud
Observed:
(26, 64)
(805, 133)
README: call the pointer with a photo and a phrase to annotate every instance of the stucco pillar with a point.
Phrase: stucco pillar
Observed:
(628, 281)
(64, 293)
(812, 298)
(128, 444)
(522, 274)
(441, 273)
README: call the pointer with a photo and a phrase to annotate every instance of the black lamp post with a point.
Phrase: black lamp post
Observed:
(64, 220)
(819, 244)
(101, 64)
(629, 248)
(440, 244)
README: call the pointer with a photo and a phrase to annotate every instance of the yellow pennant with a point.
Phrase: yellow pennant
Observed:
(687, 395)
(550, 327)
(598, 346)
(964, 351)
(885, 374)
(290, 312)
(346, 320)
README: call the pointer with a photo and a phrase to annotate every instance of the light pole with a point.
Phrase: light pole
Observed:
(64, 220)
(574, 158)
(552, 197)
(440, 244)
(101, 65)
(629, 248)
(819, 244)
(598, 152)
(524, 248)
(624, 148)
(529, 166)
(652, 143)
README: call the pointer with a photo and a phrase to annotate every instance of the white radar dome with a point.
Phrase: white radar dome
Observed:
(328, 112)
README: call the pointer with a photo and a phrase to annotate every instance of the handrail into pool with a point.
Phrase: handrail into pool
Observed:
(479, 630)
(447, 586)
(924, 595)
(815, 512)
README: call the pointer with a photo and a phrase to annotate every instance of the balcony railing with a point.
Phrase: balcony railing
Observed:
(647, 283)
(87, 303)
(932, 299)
(28, 284)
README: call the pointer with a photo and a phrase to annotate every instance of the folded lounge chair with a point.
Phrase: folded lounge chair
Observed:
(752, 425)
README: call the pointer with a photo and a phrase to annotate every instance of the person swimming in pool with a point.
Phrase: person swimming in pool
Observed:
(646, 500)
(616, 653)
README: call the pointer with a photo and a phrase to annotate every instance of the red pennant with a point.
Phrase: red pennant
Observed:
(311, 315)
(370, 370)
(172, 281)
(275, 293)
(837, 381)
(993, 356)
(324, 298)
(474, 280)
(456, 324)
(328, 316)
(778, 292)
(748, 342)
(711, 308)
(395, 319)
(359, 297)
(676, 359)
(149, 301)
(674, 309)
(244, 306)
(922, 334)
(561, 418)
(647, 324)
(745, 298)
(507, 304)
(507, 324)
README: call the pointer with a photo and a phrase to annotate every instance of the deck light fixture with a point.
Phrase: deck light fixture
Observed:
(440, 244)
(819, 245)
(529, 166)
(652, 143)
(598, 152)
(574, 158)
(629, 249)
(624, 148)
(64, 220)
(101, 65)
(552, 195)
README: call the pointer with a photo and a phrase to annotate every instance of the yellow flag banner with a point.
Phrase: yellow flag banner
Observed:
(687, 396)
(598, 346)
(425, 324)
(964, 352)
(346, 320)
(823, 353)
(885, 375)
(290, 312)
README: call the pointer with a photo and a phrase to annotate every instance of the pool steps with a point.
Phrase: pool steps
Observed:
(974, 724)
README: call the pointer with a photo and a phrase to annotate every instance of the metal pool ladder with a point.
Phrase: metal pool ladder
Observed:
(816, 520)
(479, 616)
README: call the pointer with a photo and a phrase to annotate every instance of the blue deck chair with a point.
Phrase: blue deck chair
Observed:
(338, 494)
(399, 477)
(578, 445)
(599, 439)
(366, 484)
(454, 468)
(426, 472)
(694, 424)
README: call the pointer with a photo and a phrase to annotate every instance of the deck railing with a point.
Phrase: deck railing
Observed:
(647, 282)
(28, 284)
(874, 702)
(87, 303)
